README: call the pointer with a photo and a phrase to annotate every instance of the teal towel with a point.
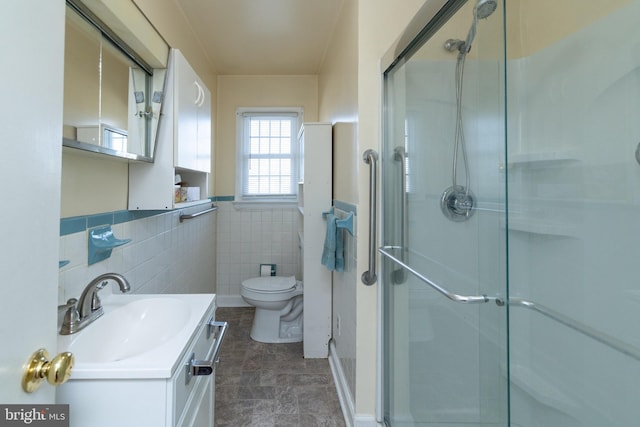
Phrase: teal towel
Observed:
(329, 250)
(339, 250)
(333, 250)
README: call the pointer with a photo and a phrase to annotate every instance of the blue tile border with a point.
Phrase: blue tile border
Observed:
(73, 225)
(76, 224)
(223, 199)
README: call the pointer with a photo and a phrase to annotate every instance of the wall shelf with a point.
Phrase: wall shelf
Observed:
(540, 159)
(101, 242)
(536, 226)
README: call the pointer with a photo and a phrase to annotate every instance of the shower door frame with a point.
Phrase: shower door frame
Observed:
(427, 21)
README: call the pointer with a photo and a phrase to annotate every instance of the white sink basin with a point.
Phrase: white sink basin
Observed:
(131, 329)
(139, 336)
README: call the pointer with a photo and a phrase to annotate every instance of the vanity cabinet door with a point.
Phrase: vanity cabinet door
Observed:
(200, 412)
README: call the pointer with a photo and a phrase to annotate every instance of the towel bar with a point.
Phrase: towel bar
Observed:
(346, 223)
(213, 208)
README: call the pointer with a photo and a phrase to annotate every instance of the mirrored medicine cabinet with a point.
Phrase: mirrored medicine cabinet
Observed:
(112, 93)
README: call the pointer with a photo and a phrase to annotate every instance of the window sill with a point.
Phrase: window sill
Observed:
(265, 204)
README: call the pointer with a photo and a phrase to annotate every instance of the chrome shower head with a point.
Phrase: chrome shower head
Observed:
(484, 8)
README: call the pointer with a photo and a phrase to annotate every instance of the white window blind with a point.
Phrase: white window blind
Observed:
(268, 155)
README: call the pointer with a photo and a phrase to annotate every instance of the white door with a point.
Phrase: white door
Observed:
(31, 76)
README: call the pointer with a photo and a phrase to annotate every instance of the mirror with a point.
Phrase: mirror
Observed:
(112, 97)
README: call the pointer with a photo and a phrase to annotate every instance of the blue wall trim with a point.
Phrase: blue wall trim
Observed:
(76, 224)
(223, 198)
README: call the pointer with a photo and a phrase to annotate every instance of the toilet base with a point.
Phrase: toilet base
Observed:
(269, 326)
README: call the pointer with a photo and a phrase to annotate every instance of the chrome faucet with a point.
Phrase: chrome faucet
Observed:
(88, 308)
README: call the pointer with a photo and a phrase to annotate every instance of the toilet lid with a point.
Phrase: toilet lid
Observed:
(270, 283)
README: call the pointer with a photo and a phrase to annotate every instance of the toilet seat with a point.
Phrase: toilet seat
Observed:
(270, 284)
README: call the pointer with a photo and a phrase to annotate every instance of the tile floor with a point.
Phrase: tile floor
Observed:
(261, 384)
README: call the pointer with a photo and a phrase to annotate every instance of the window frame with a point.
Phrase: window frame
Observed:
(242, 114)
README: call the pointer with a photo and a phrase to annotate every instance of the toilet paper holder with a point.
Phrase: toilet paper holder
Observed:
(267, 270)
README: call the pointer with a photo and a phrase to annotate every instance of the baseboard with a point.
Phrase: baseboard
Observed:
(230, 301)
(344, 395)
(366, 421)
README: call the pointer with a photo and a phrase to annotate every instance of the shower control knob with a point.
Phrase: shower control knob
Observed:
(638, 153)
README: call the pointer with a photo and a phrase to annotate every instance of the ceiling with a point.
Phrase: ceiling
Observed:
(268, 37)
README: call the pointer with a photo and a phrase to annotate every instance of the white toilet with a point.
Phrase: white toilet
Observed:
(278, 303)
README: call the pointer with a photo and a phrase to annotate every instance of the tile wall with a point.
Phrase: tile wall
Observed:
(164, 256)
(249, 237)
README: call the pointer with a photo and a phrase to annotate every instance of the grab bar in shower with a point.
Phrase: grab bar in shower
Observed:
(399, 276)
(587, 330)
(465, 299)
(370, 157)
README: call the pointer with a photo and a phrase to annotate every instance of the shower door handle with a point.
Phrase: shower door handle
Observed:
(370, 157)
(465, 299)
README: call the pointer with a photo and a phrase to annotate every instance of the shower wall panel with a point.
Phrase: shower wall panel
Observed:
(574, 189)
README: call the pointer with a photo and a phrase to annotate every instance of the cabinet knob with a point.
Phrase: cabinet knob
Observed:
(39, 368)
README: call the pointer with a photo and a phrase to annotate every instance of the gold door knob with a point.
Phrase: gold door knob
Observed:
(38, 368)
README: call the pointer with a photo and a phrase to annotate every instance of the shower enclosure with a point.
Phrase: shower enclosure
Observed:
(510, 220)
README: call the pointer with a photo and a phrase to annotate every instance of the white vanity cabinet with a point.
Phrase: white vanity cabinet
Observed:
(151, 396)
(183, 142)
(314, 198)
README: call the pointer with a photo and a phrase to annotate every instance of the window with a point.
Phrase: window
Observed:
(267, 154)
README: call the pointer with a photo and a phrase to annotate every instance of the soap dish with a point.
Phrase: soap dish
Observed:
(101, 243)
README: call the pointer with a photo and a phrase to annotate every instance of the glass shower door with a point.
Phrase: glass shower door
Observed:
(573, 71)
(444, 236)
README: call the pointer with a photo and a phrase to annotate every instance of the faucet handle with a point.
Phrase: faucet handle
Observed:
(96, 304)
(71, 317)
(71, 302)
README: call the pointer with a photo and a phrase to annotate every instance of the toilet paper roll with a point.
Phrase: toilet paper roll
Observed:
(265, 270)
